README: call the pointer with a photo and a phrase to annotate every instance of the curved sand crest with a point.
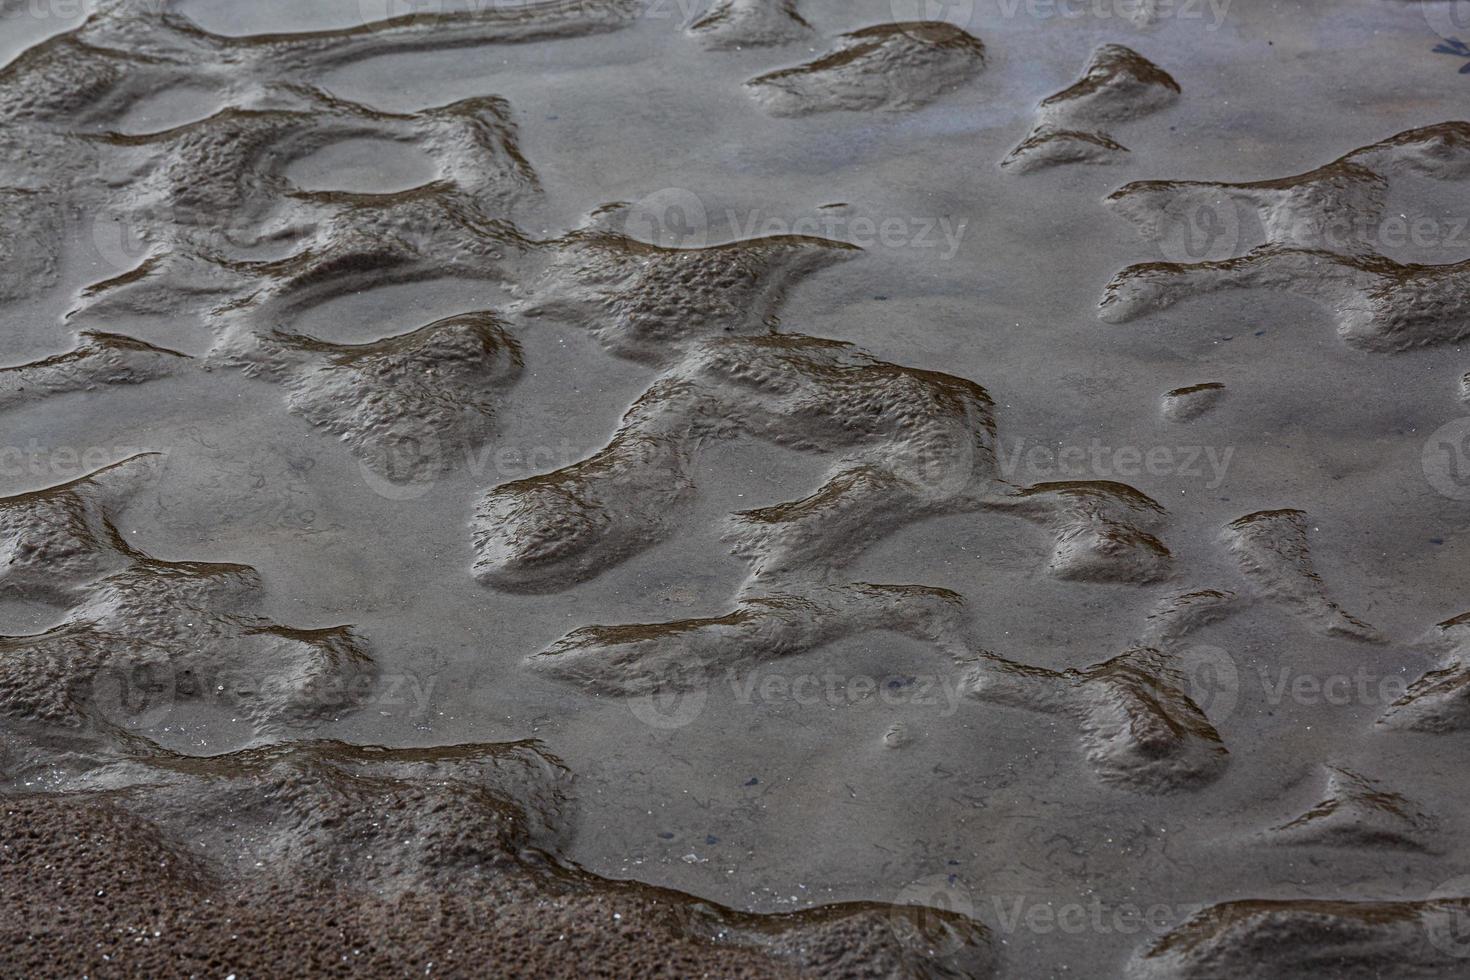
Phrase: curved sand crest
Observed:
(1302, 938)
(1271, 547)
(55, 541)
(1175, 617)
(1439, 701)
(735, 24)
(651, 303)
(1137, 726)
(409, 406)
(1357, 812)
(1321, 241)
(651, 658)
(1329, 207)
(1379, 305)
(99, 360)
(887, 67)
(1101, 530)
(1192, 402)
(1118, 85)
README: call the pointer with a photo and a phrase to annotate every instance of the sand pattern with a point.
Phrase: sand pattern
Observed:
(737, 24)
(888, 67)
(1266, 938)
(1117, 86)
(1320, 234)
(294, 844)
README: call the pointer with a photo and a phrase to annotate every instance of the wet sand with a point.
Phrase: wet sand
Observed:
(746, 488)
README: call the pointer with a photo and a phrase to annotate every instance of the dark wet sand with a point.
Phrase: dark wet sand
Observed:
(747, 488)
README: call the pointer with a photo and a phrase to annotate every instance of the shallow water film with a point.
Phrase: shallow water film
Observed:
(833, 488)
